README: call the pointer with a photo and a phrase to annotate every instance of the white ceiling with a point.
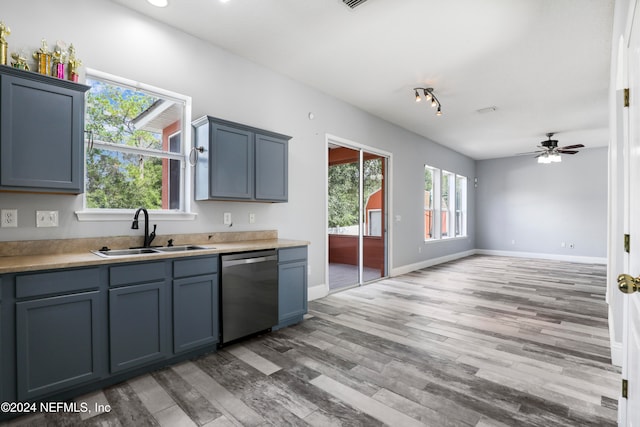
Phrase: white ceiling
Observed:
(543, 63)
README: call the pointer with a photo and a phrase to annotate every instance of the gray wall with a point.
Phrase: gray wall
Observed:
(113, 39)
(540, 206)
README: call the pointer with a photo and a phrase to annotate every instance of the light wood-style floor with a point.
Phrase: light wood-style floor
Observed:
(482, 341)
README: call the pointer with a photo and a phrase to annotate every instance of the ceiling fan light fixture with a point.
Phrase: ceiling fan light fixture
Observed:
(555, 158)
(544, 159)
(159, 3)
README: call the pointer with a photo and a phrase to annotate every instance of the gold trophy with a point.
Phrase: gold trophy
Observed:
(74, 63)
(43, 56)
(4, 46)
(19, 61)
(59, 60)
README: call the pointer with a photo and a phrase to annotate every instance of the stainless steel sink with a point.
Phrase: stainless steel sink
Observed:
(145, 251)
(125, 252)
(183, 248)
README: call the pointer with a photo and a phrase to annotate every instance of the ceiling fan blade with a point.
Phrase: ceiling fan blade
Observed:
(568, 151)
(571, 147)
(531, 152)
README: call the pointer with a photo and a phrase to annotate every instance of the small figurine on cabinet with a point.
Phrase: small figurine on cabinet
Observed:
(4, 46)
(74, 64)
(43, 56)
(19, 61)
(59, 59)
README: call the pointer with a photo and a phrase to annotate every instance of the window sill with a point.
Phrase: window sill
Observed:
(445, 239)
(127, 215)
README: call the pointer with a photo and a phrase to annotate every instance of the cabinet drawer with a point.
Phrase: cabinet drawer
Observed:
(195, 267)
(55, 282)
(298, 253)
(137, 273)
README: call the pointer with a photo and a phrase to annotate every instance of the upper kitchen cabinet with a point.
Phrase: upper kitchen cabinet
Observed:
(41, 133)
(239, 162)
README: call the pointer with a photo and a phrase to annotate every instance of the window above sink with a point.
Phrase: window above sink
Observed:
(138, 139)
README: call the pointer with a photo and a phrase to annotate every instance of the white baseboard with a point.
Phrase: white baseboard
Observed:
(568, 258)
(317, 292)
(429, 262)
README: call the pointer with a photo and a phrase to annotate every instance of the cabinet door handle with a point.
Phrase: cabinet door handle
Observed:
(89, 140)
(193, 155)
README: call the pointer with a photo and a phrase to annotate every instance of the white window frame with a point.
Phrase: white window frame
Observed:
(97, 214)
(452, 210)
(435, 197)
(462, 208)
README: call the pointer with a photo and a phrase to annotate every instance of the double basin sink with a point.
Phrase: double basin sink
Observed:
(109, 253)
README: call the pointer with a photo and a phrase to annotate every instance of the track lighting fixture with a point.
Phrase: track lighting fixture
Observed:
(429, 96)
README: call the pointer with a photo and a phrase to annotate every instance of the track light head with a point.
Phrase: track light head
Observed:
(429, 96)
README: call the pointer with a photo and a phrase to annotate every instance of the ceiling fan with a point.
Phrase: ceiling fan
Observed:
(549, 152)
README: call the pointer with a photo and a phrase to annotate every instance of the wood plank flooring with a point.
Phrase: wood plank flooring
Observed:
(482, 341)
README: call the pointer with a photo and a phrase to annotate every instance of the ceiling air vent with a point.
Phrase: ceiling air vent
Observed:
(353, 3)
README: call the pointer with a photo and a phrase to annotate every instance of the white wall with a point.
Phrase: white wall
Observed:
(539, 206)
(113, 39)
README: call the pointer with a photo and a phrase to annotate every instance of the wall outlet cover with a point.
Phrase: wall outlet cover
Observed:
(9, 218)
(227, 218)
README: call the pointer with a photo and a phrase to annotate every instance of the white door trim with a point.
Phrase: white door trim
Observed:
(333, 139)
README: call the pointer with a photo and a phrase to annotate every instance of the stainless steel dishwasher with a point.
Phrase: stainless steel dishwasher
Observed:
(249, 293)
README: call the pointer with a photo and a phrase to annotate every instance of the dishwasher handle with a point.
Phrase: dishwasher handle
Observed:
(232, 262)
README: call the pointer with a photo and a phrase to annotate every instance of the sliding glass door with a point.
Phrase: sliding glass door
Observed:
(356, 217)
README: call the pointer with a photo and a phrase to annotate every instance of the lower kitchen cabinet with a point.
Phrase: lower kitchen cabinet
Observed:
(195, 303)
(195, 312)
(292, 285)
(58, 343)
(137, 325)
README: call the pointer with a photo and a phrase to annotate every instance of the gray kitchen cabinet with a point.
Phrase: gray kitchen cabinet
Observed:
(195, 303)
(239, 162)
(292, 285)
(41, 133)
(59, 338)
(138, 315)
(272, 164)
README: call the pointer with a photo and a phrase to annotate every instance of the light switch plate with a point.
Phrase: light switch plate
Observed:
(46, 218)
(9, 218)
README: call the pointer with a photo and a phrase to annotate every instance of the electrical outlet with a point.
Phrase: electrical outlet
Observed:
(252, 218)
(46, 218)
(9, 218)
(572, 246)
(227, 218)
